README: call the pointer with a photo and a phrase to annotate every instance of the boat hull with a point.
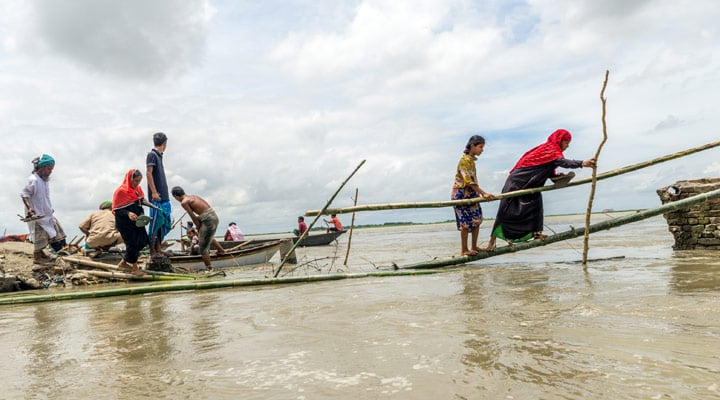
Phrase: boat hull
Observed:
(251, 254)
(322, 239)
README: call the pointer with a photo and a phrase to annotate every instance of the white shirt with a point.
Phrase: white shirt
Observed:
(37, 191)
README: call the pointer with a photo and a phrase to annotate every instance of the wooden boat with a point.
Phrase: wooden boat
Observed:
(255, 252)
(322, 239)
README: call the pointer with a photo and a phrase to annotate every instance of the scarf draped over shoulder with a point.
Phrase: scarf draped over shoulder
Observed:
(126, 194)
(546, 152)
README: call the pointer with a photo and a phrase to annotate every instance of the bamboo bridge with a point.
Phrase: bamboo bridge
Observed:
(430, 267)
(570, 234)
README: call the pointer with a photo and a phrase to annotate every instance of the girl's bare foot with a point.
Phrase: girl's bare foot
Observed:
(469, 253)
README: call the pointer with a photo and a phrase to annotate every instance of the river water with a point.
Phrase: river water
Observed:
(642, 323)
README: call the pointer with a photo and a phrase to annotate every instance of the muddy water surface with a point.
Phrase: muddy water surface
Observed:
(519, 326)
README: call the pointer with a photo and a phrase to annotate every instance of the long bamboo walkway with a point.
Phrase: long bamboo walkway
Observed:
(570, 234)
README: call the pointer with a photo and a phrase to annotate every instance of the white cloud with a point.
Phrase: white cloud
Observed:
(129, 39)
(270, 105)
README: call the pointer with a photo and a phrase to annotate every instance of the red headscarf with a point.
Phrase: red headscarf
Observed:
(546, 152)
(126, 194)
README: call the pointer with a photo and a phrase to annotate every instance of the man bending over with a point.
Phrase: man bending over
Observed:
(205, 220)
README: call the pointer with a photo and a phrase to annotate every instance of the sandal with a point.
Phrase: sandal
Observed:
(539, 235)
(562, 180)
(124, 267)
(134, 270)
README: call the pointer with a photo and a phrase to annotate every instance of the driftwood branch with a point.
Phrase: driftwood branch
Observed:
(352, 224)
(586, 241)
(452, 203)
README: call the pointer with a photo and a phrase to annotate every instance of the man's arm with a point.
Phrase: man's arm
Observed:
(151, 183)
(28, 207)
(25, 194)
(85, 225)
(187, 205)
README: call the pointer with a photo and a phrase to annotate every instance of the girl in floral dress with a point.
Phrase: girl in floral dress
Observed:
(469, 216)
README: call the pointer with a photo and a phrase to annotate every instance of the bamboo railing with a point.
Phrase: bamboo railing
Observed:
(572, 233)
(198, 285)
(450, 203)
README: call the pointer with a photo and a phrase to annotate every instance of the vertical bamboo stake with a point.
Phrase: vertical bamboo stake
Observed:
(594, 176)
(352, 224)
(300, 239)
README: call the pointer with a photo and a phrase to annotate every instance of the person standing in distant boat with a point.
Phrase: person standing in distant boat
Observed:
(520, 218)
(468, 217)
(204, 218)
(234, 233)
(302, 227)
(158, 195)
(336, 224)
(44, 227)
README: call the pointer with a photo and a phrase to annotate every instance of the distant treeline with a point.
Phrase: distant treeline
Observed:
(404, 223)
(387, 224)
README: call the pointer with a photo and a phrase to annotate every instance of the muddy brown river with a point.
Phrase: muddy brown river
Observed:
(642, 323)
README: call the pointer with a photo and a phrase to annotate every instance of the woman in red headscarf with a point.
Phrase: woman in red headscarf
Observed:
(521, 218)
(127, 207)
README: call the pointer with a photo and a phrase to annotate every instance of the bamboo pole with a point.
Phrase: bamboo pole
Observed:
(131, 277)
(352, 224)
(90, 263)
(230, 250)
(572, 233)
(201, 285)
(178, 221)
(452, 203)
(586, 239)
(114, 268)
(300, 239)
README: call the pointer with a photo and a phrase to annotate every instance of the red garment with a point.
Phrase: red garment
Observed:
(14, 238)
(127, 194)
(336, 222)
(546, 152)
(302, 227)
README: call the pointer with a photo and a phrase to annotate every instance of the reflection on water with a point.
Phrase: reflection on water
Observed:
(526, 325)
(696, 271)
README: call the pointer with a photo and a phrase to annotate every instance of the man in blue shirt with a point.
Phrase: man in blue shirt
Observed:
(158, 195)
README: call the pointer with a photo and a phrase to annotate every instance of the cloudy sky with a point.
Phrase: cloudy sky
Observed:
(270, 105)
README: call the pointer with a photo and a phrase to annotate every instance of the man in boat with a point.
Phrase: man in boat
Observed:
(204, 218)
(302, 227)
(336, 224)
(234, 233)
(44, 227)
(99, 228)
(158, 195)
